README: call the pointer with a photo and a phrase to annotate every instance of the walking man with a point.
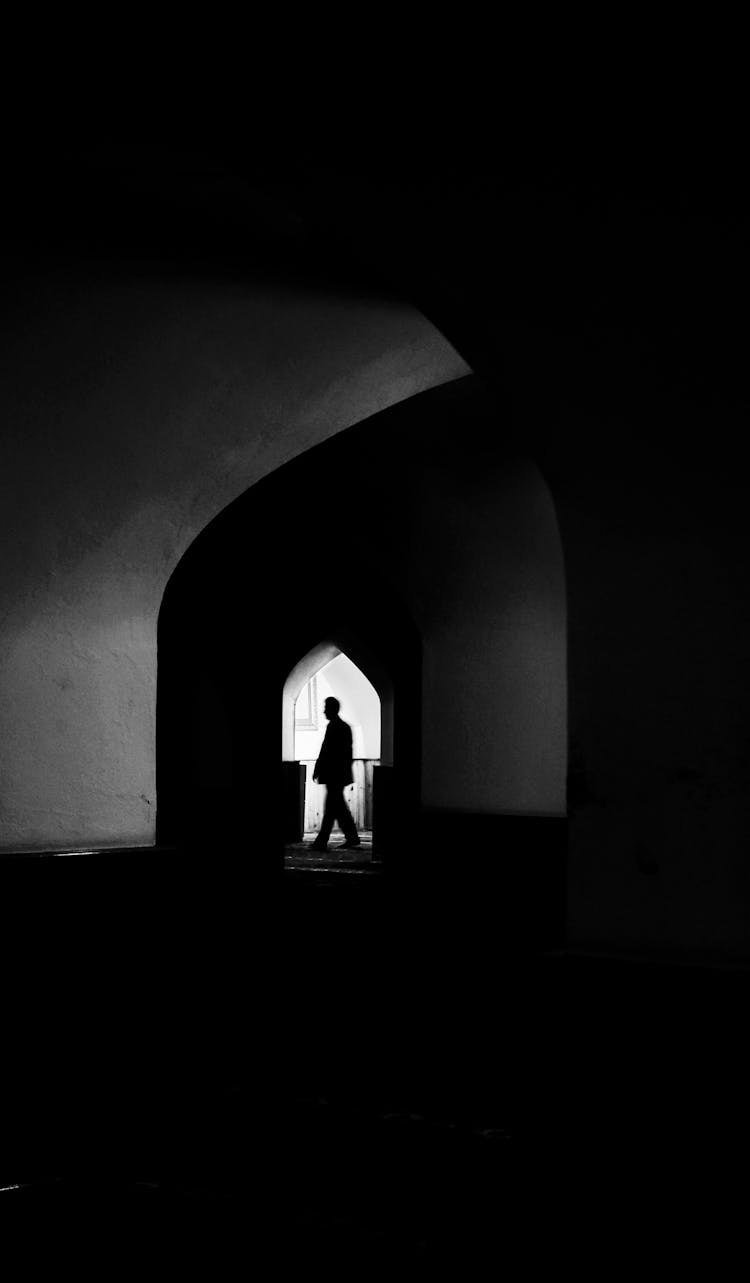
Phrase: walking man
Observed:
(334, 769)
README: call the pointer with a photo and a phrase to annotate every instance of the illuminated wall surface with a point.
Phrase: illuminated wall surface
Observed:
(133, 412)
(360, 708)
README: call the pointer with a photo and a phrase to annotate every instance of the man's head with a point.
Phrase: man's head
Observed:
(331, 707)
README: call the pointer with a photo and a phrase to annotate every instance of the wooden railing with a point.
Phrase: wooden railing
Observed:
(358, 795)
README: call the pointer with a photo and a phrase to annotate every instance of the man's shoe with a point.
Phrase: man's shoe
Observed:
(319, 846)
(349, 846)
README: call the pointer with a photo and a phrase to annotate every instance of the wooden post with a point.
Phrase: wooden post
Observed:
(383, 810)
(293, 801)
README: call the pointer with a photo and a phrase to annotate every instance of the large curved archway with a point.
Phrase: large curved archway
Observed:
(230, 639)
(435, 560)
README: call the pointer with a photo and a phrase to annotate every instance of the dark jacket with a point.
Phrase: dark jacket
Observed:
(334, 766)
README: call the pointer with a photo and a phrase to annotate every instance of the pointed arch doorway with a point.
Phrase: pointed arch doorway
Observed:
(231, 634)
(364, 690)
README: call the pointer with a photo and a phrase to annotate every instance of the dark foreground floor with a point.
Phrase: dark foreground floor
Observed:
(357, 1189)
(302, 855)
(383, 1087)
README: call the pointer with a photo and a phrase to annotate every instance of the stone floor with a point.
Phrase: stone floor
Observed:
(300, 855)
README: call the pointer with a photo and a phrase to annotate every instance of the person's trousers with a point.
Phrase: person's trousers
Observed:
(336, 809)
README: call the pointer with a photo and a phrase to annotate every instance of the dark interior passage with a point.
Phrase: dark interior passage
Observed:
(210, 1058)
(471, 656)
(230, 612)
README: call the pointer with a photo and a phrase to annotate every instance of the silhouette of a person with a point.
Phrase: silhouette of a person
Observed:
(334, 769)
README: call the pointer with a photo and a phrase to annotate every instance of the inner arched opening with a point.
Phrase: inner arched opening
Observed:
(366, 708)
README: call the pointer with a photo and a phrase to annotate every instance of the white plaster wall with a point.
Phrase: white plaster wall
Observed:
(360, 707)
(133, 412)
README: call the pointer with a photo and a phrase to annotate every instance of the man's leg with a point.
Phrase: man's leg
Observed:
(329, 814)
(346, 820)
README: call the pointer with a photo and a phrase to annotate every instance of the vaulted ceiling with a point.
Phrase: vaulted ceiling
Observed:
(606, 249)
